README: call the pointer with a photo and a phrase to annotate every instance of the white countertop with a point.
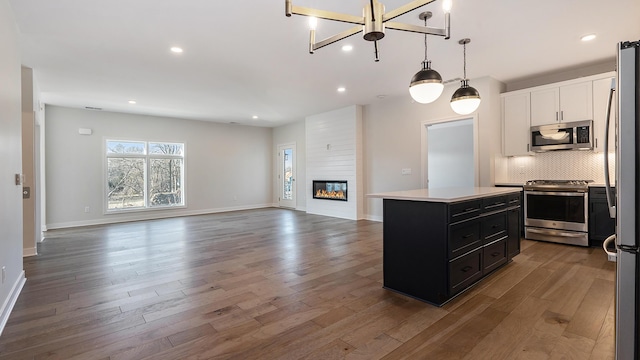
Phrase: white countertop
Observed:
(510, 184)
(446, 195)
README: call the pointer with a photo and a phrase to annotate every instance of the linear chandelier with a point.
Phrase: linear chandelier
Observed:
(372, 24)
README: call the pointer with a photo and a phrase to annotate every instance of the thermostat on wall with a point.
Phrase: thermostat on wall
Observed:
(83, 131)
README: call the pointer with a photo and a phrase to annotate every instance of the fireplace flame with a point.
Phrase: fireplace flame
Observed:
(321, 193)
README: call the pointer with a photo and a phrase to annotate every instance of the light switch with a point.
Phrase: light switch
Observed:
(406, 171)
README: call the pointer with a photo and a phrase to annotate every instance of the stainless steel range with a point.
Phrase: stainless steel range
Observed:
(557, 211)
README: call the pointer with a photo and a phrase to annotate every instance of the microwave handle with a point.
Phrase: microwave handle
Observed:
(607, 180)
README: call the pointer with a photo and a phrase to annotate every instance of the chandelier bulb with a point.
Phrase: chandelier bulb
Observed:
(446, 6)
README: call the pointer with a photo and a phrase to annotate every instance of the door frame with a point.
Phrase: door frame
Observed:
(280, 180)
(424, 157)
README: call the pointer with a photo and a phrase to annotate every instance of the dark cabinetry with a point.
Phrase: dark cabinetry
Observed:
(434, 250)
(601, 225)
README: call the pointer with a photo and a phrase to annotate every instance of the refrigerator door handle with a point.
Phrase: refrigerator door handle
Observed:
(607, 180)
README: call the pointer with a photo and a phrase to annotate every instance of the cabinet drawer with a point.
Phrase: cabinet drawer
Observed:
(494, 227)
(494, 203)
(464, 210)
(464, 271)
(494, 255)
(513, 200)
(464, 237)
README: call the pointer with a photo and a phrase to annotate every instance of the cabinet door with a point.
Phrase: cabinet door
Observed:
(516, 124)
(600, 102)
(513, 238)
(576, 102)
(545, 106)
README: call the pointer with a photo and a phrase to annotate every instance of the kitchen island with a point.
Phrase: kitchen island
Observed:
(439, 242)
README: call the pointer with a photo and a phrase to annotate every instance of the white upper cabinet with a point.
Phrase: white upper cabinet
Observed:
(601, 88)
(545, 106)
(515, 124)
(573, 100)
(566, 103)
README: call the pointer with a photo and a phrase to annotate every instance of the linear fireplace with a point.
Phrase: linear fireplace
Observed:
(330, 189)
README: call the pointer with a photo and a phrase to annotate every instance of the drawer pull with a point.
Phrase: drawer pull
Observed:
(467, 236)
(495, 226)
(495, 254)
(469, 209)
(466, 268)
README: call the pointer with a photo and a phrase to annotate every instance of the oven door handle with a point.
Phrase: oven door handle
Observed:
(559, 193)
(556, 233)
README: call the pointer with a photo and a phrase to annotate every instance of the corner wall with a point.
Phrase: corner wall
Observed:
(10, 164)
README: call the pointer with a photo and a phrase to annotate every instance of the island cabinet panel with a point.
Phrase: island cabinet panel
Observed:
(414, 256)
(435, 250)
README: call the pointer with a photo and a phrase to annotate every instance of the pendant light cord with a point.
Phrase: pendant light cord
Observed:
(425, 43)
(464, 60)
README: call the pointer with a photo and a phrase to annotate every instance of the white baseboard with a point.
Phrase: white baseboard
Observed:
(151, 215)
(29, 252)
(373, 217)
(10, 302)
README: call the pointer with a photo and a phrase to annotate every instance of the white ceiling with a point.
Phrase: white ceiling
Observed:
(244, 57)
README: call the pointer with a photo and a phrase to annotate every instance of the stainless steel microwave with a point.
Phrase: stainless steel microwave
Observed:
(576, 135)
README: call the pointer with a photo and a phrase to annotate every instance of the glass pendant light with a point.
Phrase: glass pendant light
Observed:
(426, 85)
(466, 99)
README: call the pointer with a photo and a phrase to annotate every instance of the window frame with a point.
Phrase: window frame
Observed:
(146, 157)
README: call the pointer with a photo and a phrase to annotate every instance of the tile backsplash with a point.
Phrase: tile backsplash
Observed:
(554, 165)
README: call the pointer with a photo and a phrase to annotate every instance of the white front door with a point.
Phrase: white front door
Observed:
(287, 175)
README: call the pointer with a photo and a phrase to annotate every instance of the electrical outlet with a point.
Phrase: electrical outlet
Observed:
(87, 209)
(406, 171)
(4, 273)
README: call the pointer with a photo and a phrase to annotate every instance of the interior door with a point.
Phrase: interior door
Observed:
(451, 158)
(287, 175)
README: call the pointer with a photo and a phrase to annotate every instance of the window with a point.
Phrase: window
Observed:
(142, 175)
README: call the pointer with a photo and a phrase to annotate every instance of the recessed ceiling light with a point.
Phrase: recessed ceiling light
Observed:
(347, 48)
(132, 102)
(342, 89)
(588, 37)
(176, 50)
(254, 117)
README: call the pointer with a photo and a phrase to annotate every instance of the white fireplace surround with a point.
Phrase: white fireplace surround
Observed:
(334, 151)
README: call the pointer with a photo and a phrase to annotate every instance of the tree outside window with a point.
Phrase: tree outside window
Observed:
(144, 174)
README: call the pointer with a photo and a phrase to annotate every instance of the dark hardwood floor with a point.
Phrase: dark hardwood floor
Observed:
(281, 284)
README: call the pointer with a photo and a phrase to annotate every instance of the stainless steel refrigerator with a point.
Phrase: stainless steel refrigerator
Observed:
(626, 208)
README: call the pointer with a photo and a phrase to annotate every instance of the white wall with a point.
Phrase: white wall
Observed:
(292, 133)
(228, 167)
(392, 139)
(10, 164)
(334, 152)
